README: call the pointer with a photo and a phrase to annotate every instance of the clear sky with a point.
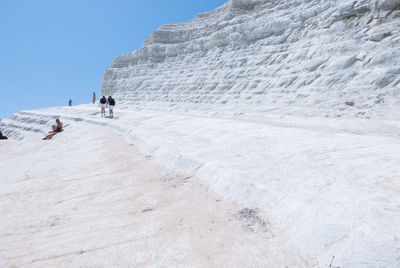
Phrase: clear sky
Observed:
(54, 50)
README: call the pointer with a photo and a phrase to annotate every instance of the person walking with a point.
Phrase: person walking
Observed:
(70, 102)
(111, 104)
(103, 103)
(94, 97)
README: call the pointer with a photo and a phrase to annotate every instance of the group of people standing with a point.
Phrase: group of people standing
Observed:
(104, 103)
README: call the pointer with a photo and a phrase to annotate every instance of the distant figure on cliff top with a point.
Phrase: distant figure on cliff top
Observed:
(2, 137)
(111, 104)
(70, 102)
(56, 129)
(94, 97)
(103, 103)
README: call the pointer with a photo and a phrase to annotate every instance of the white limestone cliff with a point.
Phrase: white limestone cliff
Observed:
(331, 58)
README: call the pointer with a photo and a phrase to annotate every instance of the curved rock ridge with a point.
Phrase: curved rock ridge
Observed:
(330, 58)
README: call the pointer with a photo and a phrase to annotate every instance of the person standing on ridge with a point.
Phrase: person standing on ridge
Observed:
(111, 104)
(94, 97)
(70, 102)
(103, 102)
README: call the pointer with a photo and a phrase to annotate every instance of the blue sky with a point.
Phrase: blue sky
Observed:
(54, 50)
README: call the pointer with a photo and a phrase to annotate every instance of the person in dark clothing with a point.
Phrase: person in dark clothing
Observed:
(111, 104)
(70, 102)
(94, 97)
(2, 137)
(103, 103)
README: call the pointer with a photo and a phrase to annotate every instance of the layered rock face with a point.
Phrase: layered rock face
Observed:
(331, 58)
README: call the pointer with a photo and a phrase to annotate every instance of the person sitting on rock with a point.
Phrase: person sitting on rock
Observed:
(3, 137)
(56, 129)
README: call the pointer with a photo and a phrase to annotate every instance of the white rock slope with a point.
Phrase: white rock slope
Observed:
(323, 187)
(333, 58)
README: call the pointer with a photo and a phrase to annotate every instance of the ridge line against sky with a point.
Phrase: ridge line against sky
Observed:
(52, 51)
